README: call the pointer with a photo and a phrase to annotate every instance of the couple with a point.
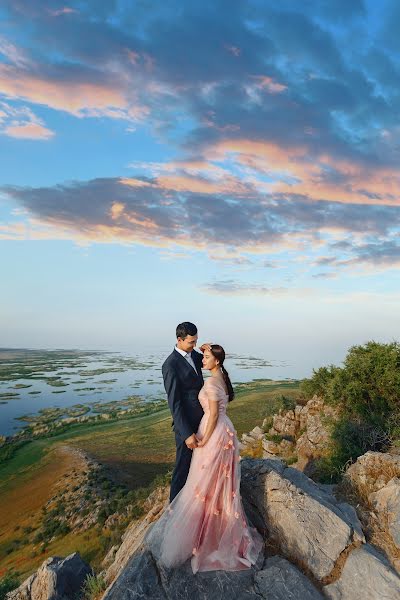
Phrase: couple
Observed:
(205, 520)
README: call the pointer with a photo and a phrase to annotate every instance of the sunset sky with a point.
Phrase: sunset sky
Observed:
(233, 163)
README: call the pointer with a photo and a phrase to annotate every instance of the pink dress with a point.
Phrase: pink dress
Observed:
(206, 520)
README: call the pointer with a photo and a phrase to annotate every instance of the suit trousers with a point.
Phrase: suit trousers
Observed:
(182, 466)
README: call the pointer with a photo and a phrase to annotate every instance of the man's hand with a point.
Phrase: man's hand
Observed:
(205, 347)
(191, 442)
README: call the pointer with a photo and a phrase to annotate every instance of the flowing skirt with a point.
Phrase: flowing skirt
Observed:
(206, 520)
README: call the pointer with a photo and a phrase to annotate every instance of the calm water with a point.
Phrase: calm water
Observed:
(75, 380)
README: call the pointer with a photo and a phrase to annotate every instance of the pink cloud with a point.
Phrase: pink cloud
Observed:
(65, 10)
(32, 131)
(75, 97)
(22, 123)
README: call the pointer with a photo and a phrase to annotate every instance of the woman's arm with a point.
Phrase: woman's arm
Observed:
(213, 416)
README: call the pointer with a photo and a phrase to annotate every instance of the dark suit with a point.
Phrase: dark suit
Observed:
(182, 385)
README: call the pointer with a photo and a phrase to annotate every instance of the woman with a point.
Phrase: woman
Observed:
(206, 520)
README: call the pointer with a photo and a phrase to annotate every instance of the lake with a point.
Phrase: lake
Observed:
(74, 382)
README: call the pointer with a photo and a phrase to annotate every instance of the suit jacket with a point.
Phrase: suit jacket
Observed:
(182, 385)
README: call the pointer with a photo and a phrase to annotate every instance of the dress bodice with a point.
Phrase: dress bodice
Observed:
(213, 391)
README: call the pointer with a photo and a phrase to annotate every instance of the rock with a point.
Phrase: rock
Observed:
(56, 579)
(285, 424)
(257, 433)
(304, 432)
(247, 439)
(386, 502)
(109, 557)
(142, 578)
(270, 447)
(366, 575)
(280, 580)
(308, 524)
(284, 448)
(138, 580)
(372, 471)
(134, 534)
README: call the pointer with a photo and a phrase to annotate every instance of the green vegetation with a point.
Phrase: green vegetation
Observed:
(93, 586)
(366, 392)
(8, 450)
(9, 582)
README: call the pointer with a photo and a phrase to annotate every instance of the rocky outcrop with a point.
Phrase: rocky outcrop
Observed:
(299, 435)
(56, 579)
(307, 524)
(132, 538)
(373, 484)
(315, 548)
(310, 538)
(386, 501)
(372, 471)
(366, 575)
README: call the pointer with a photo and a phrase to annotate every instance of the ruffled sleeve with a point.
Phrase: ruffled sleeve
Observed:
(213, 389)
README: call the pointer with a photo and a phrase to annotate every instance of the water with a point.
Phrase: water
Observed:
(75, 380)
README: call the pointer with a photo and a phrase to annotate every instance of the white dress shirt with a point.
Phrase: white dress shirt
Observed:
(188, 356)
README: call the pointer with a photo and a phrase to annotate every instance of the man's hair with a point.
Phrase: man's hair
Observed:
(186, 328)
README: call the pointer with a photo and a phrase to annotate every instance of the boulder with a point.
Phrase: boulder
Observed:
(366, 575)
(372, 471)
(143, 578)
(56, 579)
(310, 527)
(386, 503)
(280, 580)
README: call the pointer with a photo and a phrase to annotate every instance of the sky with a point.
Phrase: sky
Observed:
(231, 163)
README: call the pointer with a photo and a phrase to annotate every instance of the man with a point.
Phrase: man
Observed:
(183, 380)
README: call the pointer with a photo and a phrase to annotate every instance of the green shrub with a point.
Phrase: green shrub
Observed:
(274, 437)
(92, 587)
(287, 402)
(8, 583)
(318, 383)
(366, 391)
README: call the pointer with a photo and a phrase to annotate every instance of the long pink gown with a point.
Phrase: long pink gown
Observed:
(206, 520)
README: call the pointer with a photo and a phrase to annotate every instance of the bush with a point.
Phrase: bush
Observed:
(367, 392)
(93, 586)
(318, 383)
(8, 583)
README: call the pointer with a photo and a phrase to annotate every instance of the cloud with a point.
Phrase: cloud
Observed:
(325, 276)
(233, 229)
(230, 287)
(22, 123)
(286, 136)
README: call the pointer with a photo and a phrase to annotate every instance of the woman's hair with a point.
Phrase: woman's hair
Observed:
(219, 353)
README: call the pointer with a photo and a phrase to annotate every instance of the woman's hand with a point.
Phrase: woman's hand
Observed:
(201, 442)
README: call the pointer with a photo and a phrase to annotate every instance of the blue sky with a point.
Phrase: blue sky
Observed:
(231, 163)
